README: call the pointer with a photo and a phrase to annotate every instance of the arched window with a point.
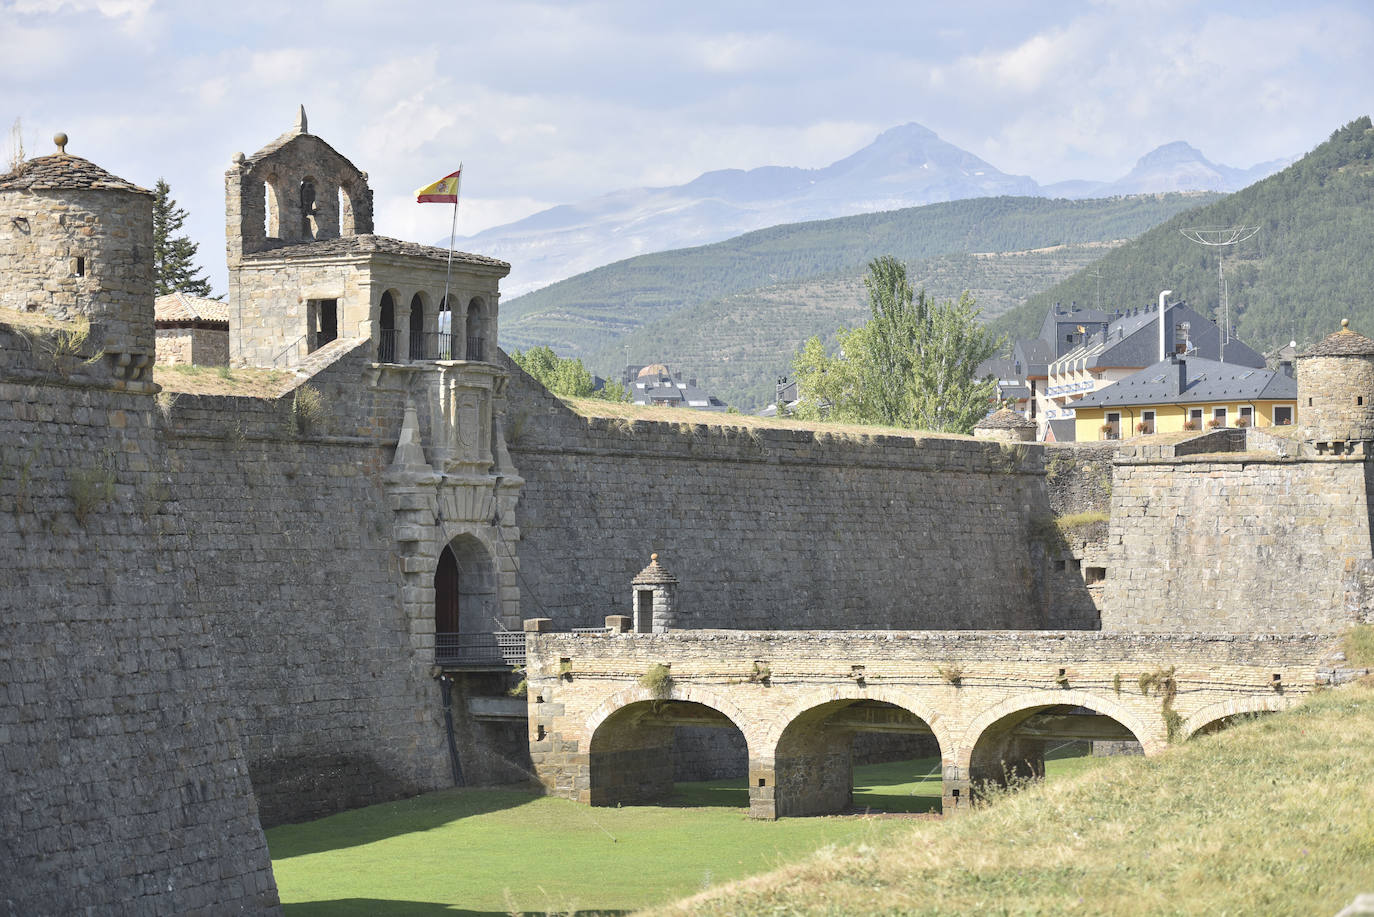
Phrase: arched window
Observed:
(417, 328)
(476, 331)
(271, 208)
(446, 330)
(386, 343)
(308, 208)
(446, 601)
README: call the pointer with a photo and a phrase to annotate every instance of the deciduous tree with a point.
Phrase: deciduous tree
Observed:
(911, 365)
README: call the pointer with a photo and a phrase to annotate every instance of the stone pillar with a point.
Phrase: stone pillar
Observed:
(814, 774)
(653, 599)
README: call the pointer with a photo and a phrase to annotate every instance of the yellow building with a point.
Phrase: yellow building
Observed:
(1187, 393)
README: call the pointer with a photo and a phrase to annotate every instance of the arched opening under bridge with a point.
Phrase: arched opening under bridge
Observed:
(668, 752)
(856, 754)
(1043, 738)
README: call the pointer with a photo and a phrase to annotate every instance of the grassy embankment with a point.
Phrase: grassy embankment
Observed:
(1273, 817)
(498, 851)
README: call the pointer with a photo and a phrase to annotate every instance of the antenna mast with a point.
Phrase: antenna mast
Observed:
(1221, 238)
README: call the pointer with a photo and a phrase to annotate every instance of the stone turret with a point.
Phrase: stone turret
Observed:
(655, 599)
(1336, 390)
(77, 243)
(1006, 425)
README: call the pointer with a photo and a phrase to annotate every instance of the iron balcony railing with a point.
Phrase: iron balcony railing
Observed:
(388, 345)
(432, 345)
(506, 648)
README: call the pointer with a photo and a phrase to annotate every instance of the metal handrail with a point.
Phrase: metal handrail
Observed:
(294, 345)
(504, 648)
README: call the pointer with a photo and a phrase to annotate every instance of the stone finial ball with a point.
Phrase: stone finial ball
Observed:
(60, 139)
(653, 558)
(1345, 324)
(238, 158)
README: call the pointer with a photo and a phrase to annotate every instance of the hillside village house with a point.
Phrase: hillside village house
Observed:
(1117, 349)
(1080, 351)
(655, 385)
(1188, 393)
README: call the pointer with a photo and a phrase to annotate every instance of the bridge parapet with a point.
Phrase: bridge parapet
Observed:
(602, 711)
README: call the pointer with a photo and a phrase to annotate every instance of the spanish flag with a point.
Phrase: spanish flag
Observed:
(443, 191)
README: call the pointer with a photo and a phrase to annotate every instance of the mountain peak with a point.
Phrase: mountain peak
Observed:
(1175, 152)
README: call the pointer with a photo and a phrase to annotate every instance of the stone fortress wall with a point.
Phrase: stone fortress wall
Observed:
(122, 764)
(208, 591)
(771, 528)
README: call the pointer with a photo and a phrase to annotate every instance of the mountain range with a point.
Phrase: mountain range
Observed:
(905, 166)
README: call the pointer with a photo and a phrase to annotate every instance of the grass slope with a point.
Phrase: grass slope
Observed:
(581, 313)
(1272, 817)
(503, 851)
(737, 346)
(1306, 268)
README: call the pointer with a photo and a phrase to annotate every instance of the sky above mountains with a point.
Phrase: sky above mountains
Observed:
(548, 103)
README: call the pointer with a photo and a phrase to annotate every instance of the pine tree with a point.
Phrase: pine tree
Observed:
(174, 255)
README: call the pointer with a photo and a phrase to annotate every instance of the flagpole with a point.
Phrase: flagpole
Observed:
(448, 273)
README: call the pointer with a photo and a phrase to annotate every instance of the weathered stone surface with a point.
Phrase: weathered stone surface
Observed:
(599, 735)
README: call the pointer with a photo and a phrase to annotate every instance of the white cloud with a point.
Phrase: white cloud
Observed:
(558, 102)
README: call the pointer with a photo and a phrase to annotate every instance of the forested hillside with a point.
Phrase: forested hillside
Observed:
(590, 315)
(738, 345)
(1310, 264)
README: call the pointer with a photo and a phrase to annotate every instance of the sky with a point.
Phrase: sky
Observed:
(548, 103)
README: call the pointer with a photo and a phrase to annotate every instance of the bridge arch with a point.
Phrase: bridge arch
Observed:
(994, 745)
(1216, 714)
(894, 696)
(631, 739)
(806, 755)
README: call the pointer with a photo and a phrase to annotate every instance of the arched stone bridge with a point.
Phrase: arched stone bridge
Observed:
(602, 733)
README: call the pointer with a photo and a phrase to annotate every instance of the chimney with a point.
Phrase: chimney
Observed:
(1286, 367)
(1182, 374)
(1162, 308)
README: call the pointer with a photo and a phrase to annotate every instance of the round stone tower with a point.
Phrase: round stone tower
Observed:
(77, 242)
(1336, 388)
(1006, 425)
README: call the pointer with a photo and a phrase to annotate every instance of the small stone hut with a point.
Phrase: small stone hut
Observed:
(191, 329)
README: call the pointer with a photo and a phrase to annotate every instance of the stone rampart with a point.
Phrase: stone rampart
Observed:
(774, 528)
(123, 768)
(1239, 543)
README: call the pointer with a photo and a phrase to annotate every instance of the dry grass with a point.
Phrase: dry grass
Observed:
(1073, 522)
(1272, 817)
(33, 320)
(184, 379)
(628, 413)
(1358, 644)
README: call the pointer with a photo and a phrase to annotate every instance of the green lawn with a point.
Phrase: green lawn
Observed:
(502, 851)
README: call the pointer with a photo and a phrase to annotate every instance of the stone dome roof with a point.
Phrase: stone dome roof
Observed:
(1004, 419)
(654, 575)
(653, 369)
(1343, 343)
(62, 171)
